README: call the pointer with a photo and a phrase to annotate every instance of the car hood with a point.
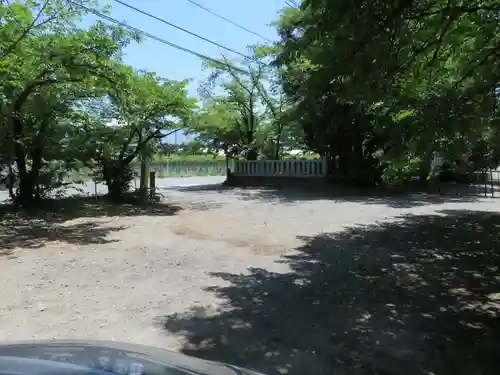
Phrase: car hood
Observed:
(86, 353)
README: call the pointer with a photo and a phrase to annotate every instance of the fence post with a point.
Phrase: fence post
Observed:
(152, 185)
(486, 184)
(492, 184)
(324, 165)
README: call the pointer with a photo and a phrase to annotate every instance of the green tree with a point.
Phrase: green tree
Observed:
(379, 86)
(68, 101)
(282, 129)
(244, 109)
(144, 108)
(231, 112)
(44, 80)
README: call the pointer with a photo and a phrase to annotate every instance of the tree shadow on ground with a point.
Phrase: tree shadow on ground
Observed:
(418, 296)
(100, 206)
(35, 233)
(446, 193)
(52, 221)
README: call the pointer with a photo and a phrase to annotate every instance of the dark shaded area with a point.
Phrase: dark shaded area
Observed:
(78, 207)
(418, 296)
(32, 229)
(418, 196)
(33, 233)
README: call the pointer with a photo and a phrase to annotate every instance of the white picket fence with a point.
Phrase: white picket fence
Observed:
(436, 162)
(292, 168)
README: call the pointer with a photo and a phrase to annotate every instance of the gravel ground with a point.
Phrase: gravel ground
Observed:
(264, 279)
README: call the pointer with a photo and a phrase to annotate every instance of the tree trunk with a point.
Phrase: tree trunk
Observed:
(25, 195)
(35, 171)
(278, 147)
(144, 177)
(117, 176)
(11, 180)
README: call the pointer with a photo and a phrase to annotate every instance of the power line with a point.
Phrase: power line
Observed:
(182, 29)
(229, 21)
(158, 39)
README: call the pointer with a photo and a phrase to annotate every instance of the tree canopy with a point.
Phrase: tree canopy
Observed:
(68, 100)
(384, 84)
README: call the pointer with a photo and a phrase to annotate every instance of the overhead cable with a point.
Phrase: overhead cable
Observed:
(158, 39)
(182, 29)
(229, 21)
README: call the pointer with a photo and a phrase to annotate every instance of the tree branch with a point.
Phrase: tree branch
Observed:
(32, 26)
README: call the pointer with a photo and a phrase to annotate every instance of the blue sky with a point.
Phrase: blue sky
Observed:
(174, 64)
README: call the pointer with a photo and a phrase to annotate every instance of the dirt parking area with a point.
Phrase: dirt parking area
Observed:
(278, 281)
